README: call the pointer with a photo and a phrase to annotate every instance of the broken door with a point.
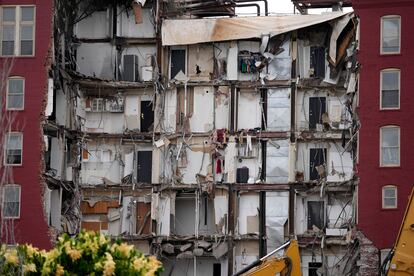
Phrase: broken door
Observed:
(317, 157)
(144, 166)
(143, 218)
(317, 107)
(315, 214)
(147, 116)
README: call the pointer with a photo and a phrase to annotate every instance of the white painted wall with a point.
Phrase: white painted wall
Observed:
(248, 205)
(57, 156)
(194, 163)
(170, 111)
(105, 122)
(277, 161)
(61, 108)
(202, 119)
(222, 107)
(143, 52)
(185, 267)
(278, 109)
(96, 25)
(250, 113)
(277, 212)
(126, 26)
(96, 59)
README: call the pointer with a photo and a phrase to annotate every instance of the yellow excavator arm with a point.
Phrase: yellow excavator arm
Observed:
(402, 255)
(286, 265)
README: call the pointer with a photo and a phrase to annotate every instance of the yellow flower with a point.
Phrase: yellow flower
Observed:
(102, 239)
(59, 270)
(11, 257)
(109, 266)
(138, 263)
(125, 249)
(74, 254)
(98, 266)
(31, 250)
(29, 268)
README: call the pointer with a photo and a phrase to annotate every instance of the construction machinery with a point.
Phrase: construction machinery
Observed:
(400, 261)
(286, 265)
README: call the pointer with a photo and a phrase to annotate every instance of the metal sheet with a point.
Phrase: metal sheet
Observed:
(192, 31)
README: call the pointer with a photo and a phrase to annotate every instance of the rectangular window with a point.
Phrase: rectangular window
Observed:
(390, 89)
(98, 105)
(390, 146)
(11, 201)
(17, 27)
(15, 93)
(317, 107)
(178, 62)
(390, 34)
(316, 215)
(14, 148)
(317, 161)
(389, 197)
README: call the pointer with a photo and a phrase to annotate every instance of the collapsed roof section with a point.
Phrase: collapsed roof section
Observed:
(193, 31)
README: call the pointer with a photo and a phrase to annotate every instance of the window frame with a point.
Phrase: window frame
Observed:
(3, 201)
(17, 30)
(6, 148)
(383, 197)
(175, 48)
(7, 93)
(399, 147)
(381, 34)
(399, 88)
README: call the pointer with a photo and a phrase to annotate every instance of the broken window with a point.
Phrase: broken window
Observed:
(317, 107)
(316, 215)
(17, 24)
(15, 93)
(313, 268)
(390, 146)
(144, 167)
(147, 116)
(130, 68)
(317, 161)
(14, 147)
(178, 62)
(389, 197)
(390, 34)
(390, 88)
(317, 62)
(11, 201)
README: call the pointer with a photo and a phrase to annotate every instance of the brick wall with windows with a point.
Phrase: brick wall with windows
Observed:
(25, 41)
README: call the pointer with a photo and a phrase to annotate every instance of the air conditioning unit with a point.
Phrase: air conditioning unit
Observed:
(130, 68)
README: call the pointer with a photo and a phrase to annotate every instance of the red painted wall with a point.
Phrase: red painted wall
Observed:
(32, 226)
(381, 226)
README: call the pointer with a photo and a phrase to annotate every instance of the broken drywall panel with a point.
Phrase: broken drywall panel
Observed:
(246, 252)
(55, 209)
(50, 98)
(105, 122)
(278, 109)
(127, 27)
(195, 160)
(338, 162)
(277, 161)
(339, 212)
(61, 108)
(206, 216)
(221, 119)
(312, 104)
(185, 215)
(132, 112)
(57, 157)
(202, 118)
(249, 110)
(114, 221)
(144, 55)
(230, 156)
(166, 112)
(94, 26)
(303, 64)
(156, 168)
(277, 213)
(128, 216)
(128, 163)
(200, 62)
(232, 61)
(248, 214)
(245, 47)
(280, 65)
(338, 26)
(96, 60)
(163, 212)
(221, 210)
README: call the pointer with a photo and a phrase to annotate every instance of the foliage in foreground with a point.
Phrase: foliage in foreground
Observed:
(88, 253)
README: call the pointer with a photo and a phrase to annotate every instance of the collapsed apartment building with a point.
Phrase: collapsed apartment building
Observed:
(206, 140)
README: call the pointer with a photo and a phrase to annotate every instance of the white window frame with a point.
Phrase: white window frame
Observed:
(17, 30)
(399, 88)
(7, 96)
(5, 149)
(3, 201)
(383, 197)
(399, 147)
(98, 101)
(399, 34)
